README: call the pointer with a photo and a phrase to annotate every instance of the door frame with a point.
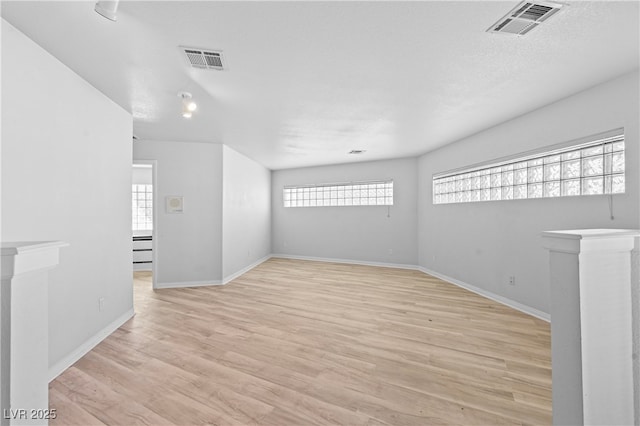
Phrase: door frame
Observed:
(156, 206)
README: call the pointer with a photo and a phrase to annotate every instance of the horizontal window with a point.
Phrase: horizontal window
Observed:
(373, 193)
(595, 167)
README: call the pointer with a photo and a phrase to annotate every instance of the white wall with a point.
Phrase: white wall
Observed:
(246, 212)
(189, 244)
(362, 233)
(141, 175)
(483, 243)
(66, 175)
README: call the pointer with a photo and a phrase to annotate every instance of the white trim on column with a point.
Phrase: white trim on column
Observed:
(635, 315)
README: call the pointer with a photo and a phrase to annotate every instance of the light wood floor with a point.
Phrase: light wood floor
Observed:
(306, 343)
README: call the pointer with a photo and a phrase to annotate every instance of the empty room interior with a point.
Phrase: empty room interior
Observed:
(320, 213)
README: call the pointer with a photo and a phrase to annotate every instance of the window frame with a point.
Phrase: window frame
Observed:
(136, 208)
(484, 181)
(340, 194)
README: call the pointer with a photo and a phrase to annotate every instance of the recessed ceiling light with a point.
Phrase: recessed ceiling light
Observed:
(107, 8)
(357, 151)
(188, 105)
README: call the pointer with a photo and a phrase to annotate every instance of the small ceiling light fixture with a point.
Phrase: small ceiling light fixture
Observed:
(357, 151)
(107, 8)
(188, 105)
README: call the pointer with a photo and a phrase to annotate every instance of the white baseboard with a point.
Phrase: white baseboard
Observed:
(347, 261)
(142, 268)
(489, 295)
(225, 280)
(244, 270)
(66, 362)
(183, 284)
(69, 360)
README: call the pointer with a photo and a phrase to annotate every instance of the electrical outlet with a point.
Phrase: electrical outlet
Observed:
(390, 251)
(512, 280)
(101, 304)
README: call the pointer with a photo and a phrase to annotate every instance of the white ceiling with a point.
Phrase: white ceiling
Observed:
(309, 81)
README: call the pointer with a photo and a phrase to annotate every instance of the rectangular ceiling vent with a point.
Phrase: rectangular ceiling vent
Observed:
(204, 59)
(525, 17)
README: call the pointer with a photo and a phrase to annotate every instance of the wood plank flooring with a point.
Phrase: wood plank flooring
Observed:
(310, 343)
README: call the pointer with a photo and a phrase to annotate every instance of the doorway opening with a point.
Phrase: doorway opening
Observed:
(143, 223)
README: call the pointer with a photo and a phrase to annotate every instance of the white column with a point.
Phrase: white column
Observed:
(591, 326)
(635, 308)
(24, 322)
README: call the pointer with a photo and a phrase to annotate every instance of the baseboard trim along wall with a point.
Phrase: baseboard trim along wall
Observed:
(246, 269)
(348, 261)
(489, 295)
(225, 280)
(66, 362)
(183, 284)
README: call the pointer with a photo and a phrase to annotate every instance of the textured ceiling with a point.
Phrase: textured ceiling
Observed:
(309, 81)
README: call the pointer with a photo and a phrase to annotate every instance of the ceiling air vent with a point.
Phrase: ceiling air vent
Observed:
(204, 59)
(525, 17)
